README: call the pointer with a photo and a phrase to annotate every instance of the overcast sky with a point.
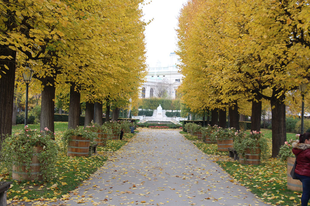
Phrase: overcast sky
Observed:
(161, 37)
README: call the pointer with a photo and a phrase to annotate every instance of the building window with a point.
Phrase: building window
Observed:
(177, 80)
(163, 75)
(157, 75)
(143, 92)
(152, 92)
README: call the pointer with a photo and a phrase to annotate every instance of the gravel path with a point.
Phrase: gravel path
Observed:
(161, 167)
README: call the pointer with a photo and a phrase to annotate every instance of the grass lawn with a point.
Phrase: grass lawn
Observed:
(71, 171)
(267, 180)
(59, 127)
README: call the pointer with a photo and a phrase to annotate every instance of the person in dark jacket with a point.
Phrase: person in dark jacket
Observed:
(302, 170)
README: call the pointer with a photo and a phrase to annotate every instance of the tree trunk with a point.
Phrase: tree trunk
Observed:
(116, 113)
(214, 117)
(256, 115)
(47, 105)
(278, 124)
(222, 118)
(234, 116)
(98, 113)
(208, 117)
(107, 113)
(14, 112)
(74, 108)
(89, 113)
(204, 118)
(7, 81)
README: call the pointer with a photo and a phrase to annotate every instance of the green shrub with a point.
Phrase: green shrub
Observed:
(36, 112)
(20, 118)
(306, 125)
(146, 113)
(291, 124)
(173, 114)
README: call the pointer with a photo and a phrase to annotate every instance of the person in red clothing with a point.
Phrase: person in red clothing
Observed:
(302, 170)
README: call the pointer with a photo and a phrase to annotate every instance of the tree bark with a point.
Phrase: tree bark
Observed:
(107, 113)
(116, 113)
(98, 113)
(234, 116)
(89, 113)
(208, 117)
(74, 108)
(214, 117)
(278, 124)
(47, 104)
(256, 115)
(7, 81)
(222, 118)
(14, 112)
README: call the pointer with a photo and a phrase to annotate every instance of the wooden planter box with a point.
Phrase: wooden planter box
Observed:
(223, 145)
(292, 184)
(251, 157)
(101, 139)
(20, 172)
(78, 146)
(208, 140)
(198, 134)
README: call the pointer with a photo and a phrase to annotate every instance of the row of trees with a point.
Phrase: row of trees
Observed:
(96, 47)
(238, 51)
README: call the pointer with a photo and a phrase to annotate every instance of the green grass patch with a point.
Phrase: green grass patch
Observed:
(59, 127)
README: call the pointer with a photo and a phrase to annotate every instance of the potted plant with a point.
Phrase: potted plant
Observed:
(206, 134)
(31, 155)
(106, 133)
(287, 155)
(125, 125)
(224, 138)
(96, 128)
(196, 131)
(115, 127)
(188, 127)
(250, 147)
(77, 141)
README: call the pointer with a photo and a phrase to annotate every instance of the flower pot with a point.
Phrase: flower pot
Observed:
(208, 140)
(292, 184)
(198, 134)
(20, 172)
(78, 146)
(101, 138)
(223, 145)
(252, 156)
(115, 136)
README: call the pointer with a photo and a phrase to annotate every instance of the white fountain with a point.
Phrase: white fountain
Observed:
(159, 115)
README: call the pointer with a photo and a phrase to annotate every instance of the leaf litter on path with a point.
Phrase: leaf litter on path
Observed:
(161, 167)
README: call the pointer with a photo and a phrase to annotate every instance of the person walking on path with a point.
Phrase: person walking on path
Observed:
(302, 170)
(161, 167)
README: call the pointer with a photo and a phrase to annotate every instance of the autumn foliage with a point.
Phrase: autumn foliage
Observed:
(95, 46)
(244, 50)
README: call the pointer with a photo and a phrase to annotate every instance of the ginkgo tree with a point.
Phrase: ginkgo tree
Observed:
(83, 43)
(247, 50)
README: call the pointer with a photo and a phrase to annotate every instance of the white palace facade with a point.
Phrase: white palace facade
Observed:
(162, 81)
